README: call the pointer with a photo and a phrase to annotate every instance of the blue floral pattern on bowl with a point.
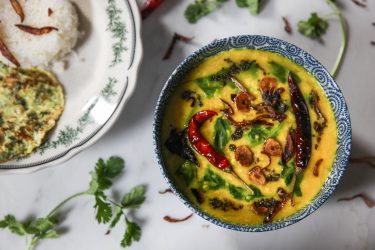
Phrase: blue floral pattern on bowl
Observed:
(300, 57)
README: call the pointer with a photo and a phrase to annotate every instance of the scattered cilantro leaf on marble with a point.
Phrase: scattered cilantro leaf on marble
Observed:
(200, 8)
(314, 27)
(252, 5)
(107, 211)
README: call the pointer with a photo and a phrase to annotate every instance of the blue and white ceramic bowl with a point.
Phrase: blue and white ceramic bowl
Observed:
(300, 57)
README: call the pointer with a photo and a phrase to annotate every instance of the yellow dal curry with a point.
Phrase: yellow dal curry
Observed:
(274, 185)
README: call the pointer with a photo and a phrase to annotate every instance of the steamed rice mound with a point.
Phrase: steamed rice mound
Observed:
(34, 50)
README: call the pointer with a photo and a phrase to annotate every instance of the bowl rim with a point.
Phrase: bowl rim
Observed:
(318, 199)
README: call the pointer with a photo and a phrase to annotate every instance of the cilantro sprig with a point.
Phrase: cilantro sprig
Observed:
(200, 8)
(315, 27)
(107, 211)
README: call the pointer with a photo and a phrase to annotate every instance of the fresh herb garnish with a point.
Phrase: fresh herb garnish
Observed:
(188, 172)
(314, 27)
(222, 134)
(212, 181)
(288, 172)
(279, 71)
(317, 26)
(208, 86)
(252, 5)
(297, 187)
(200, 8)
(107, 211)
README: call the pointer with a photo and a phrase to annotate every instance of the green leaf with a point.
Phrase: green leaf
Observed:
(288, 172)
(222, 134)
(200, 8)
(314, 27)
(43, 224)
(257, 192)
(13, 225)
(188, 171)
(134, 198)
(104, 173)
(51, 234)
(297, 188)
(212, 181)
(257, 135)
(132, 233)
(279, 71)
(117, 217)
(208, 87)
(252, 5)
(236, 192)
(254, 69)
(3, 224)
(103, 208)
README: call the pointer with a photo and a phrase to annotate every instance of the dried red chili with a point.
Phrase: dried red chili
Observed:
(174, 220)
(7, 54)
(168, 190)
(289, 146)
(369, 202)
(176, 37)
(287, 26)
(18, 9)
(360, 4)
(203, 147)
(149, 7)
(36, 31)
(369, 160)
(303, 134)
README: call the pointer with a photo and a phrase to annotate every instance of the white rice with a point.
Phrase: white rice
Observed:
(34, 50)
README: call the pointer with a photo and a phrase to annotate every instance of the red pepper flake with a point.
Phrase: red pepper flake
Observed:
(369, 160)
(50, 12)
(369, 202)
(36, 31)
(287, 26)
(174, 220)
(7, 54)
(316, 167)
(168, 190)
(18, 9)
(149, 7)
(176, 37)
(360, 4)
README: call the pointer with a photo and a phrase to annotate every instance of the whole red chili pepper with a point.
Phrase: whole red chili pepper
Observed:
(203, 147)
(149, 7)
(303, 133)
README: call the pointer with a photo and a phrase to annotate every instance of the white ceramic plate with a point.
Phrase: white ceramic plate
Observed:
(100, 78)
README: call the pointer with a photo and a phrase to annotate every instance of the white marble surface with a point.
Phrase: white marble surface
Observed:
(334, 226)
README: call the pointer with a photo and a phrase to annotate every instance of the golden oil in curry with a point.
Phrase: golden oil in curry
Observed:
(179, 111)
